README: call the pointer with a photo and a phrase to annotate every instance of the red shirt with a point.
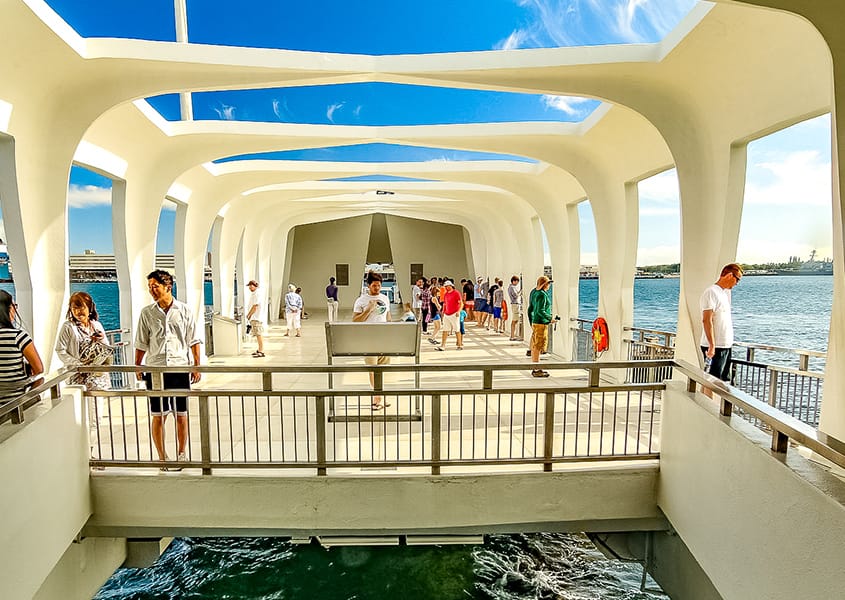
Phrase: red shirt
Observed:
(451, 302)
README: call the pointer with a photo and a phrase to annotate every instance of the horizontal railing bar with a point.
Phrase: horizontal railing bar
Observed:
(796, 430)
(217, 392)
(35, 392)
(410, 367)
(370, 463)
(779, 368)
(815, 353)
(653, 331)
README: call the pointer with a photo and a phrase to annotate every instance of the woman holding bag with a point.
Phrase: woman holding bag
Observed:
(81, 342)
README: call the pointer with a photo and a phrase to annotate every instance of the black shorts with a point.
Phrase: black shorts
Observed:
(480, 305)
(720, 365)
(174, 381)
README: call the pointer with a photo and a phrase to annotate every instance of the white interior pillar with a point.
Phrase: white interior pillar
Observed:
(712, 183)
(216, 275)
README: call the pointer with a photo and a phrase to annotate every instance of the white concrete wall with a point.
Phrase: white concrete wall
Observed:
(760, 526)
(317, 248)
(44, 496)
(594, 498)
(83, 569)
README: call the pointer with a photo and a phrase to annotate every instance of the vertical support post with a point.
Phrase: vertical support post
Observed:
(378, 380)
(205, 435)
(320, 415)
(267, 381)
(17, 415)
(487, 379)
(594, 376)
(55, 393)
(780, 442)
(773, 387)
(726, 408)
(435, 434)
(749, 354)
(691, 385)
(804, 362)
(548, 431)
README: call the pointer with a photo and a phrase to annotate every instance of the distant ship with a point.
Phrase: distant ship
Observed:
(809, 267)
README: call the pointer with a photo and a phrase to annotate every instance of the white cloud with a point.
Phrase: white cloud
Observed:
(331, 110)
(799, 178)
(515, 40)
(225, 112)
(85, 196)
(662, 188)
(566, 104)
(280, 109)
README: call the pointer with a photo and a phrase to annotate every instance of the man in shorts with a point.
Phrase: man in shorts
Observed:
(373, 307)
(452, 305)
(717, 336)
(256, 316)
(539, 315)
(166, 337)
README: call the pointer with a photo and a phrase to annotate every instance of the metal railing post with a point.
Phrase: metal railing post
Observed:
(548, 431)
(726, 408)
(487, 379)
(205, 435)
(320, 416)
(594, 376)
(773, 387)
(780, 441)
(435, 434)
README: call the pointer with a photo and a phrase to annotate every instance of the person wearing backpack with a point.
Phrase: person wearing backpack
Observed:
(539, 315)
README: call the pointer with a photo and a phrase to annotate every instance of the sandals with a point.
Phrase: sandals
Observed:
(380, 406)
(257, 354)
(539, 373)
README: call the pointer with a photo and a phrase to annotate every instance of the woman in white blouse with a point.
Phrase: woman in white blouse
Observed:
(80, 329)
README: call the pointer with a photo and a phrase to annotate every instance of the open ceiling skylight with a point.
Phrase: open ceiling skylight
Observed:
(383, 27)
(387, 153)
(378, 104)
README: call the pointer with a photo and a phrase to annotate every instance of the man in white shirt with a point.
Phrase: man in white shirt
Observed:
(717, 337)
(256, 316)
(166, 336)
(373, 307)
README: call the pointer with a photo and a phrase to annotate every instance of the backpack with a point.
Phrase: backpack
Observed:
(601, 340)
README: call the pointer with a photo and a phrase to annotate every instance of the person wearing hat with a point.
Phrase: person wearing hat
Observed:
(453, 303)
(539, 315)
(256, 316)
(293, 311)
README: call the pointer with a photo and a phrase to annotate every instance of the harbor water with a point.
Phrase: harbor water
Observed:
(788, 311)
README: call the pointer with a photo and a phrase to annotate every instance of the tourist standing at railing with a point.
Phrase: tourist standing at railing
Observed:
(256, 316)
(82, 342)
(480, 308)
(166, 337)
(717, 337)
(373, 307)
(293, 311)
(539, 315)
(331, 300)
(20, 363)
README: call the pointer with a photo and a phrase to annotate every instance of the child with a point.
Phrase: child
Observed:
(409, 315)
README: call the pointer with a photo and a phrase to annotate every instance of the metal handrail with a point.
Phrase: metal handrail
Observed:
(799, 351)
(14, 409)
(782, 425)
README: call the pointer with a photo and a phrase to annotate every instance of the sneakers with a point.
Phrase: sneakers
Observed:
(182, 457)
(257, 354)
(440, 348)
(433, 341)
(539, 373)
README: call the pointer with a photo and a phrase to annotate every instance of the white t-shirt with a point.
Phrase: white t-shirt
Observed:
(253, 298)
(415, 296)
(379, 314)
(718, 300)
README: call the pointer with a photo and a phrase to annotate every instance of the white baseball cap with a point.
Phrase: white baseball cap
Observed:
(449, 283)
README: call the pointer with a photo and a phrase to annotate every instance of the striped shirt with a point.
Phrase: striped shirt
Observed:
(166, 337)
(12, 344)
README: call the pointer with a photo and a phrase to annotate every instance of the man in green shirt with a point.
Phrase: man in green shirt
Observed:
(539, 315)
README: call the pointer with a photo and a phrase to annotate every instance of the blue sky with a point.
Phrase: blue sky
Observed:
(787, 209)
